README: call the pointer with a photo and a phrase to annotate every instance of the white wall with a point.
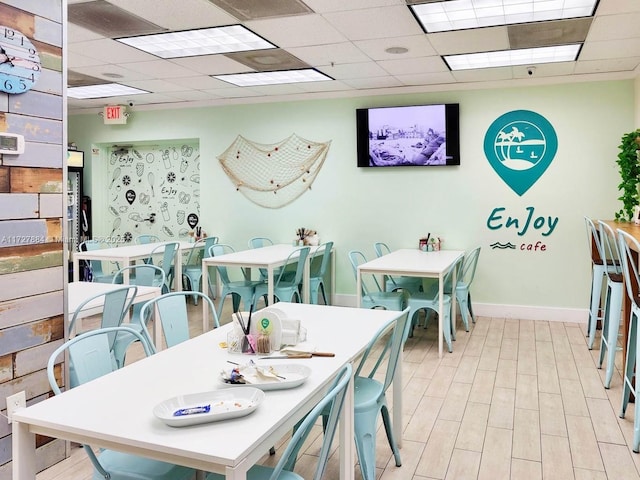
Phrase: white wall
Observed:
(355, 207)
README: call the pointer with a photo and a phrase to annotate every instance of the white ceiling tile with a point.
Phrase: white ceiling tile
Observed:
(610, 49)
(234, 92)
(610, 27)
(354, 70)
(373, 82)
(75, 60)
(417, 46)
(470, 41)
(99, 71)
(389, 22)
(607, 7)
(407, 66)
(483, 74)
(155, 86)
(190, 95)
(160, 69)
(212, 65)
(110, 51)
(426, 79)
(323, 6)
(178, 15)
(76, 34)
(297, 31)
(201, 82)
(332, 86)
(544, 70)
(613, 65)
(337, 53)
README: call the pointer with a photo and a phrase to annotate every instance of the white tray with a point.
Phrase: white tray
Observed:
(224, 404)
(294, 375)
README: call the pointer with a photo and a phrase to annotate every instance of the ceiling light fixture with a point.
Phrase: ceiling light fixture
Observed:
(504, 58)
(274, 78)
(206, 41)
(102, 91)
(450, 15)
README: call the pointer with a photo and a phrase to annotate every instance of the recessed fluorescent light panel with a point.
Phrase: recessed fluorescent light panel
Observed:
(274, 78)
(102, 91)
(504, 58)
(206, 41)
(464, 14)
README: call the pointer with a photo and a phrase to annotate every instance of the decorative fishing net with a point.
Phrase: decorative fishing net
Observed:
(273, 175)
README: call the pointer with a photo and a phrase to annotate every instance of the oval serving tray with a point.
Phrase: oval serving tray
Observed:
(294, 375)
(222, 405)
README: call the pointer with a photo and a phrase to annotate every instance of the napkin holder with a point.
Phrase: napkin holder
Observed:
(292, 332)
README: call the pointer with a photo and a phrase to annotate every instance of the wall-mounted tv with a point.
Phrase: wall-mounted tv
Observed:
(417, 135)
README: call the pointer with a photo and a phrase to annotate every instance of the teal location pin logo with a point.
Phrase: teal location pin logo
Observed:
(520, 146)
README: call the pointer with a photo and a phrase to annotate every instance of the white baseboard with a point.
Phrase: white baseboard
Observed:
(521, 312)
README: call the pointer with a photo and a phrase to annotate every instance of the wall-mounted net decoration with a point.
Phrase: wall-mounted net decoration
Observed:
(273, 175)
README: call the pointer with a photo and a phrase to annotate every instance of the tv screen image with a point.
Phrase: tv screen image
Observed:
(422, 135)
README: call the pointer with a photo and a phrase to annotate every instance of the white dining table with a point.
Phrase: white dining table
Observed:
(78, 292)
(116, 411)
(269, 258)
(128, 255)
(416, 263)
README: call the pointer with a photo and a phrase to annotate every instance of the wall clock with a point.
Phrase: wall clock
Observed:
(19, 62)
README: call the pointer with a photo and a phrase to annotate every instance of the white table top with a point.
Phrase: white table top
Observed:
(413, 262)
(263, 257)
(116, 410)
(78, 292)
(126, 251)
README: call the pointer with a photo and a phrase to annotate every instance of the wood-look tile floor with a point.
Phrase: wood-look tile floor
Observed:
(517, 399)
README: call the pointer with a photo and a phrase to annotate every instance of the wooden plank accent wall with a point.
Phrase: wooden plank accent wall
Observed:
(32, 264)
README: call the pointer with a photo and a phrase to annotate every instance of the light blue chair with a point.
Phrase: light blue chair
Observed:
(329, 407)
(392, 284)
(598, 272)
(375, 297)
(318, 269)
(629, 247)
(116, 305)
(147, 238)
(192, 269)
(464, 277)
(169, 252)
(286, 290)
(430, 300)
(172, 310)
(241, 290)
(370, 393)
(90, 358)
(259, 242)
(95, 266)
(613, 300)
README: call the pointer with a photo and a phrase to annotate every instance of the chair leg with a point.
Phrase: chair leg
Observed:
(386, 420)
(464, 309)
(605, 328)
(324, 295)
(470, 307)
(596, 298)
(612, 334)
(630, 363)
(365, 423)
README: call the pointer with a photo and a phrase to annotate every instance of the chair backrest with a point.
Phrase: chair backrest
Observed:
(258, 242)
(318, 269)
(221, 249)
(330, 405)
(147, 238)
(145, 275)
(116, 304)
(357, 258)
(201, 243)
(168, 255)
(593, 237)
(468, 267)
(301, 255)
(609, 246)
(208, 242)
(627, 245)
(89, 358)
(381, 249)
(394, 335)
(172, 309)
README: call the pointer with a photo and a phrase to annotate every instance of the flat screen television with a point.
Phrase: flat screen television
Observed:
(417, 135)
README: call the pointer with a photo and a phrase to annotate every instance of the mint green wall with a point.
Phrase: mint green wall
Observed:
(355, 207)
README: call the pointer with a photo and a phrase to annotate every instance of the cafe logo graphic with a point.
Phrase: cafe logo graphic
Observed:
(520, 145)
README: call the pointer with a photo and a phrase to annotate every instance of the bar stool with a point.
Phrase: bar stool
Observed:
(613, 300)
(597, 275)
(626, 244)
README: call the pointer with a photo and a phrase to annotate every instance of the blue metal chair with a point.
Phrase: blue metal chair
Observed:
(239, 289)
(192, 269)
(90, 358)
(329, 407)
(627, 245)
(259, 242)
(392, 284)
(147, 238)
(172, 310)
(169, 252)
(285, 289)
(613, 300)
(375, 297)
(464, 276)
(369, 393)
(318, 269)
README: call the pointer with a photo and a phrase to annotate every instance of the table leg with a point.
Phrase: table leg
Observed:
(397, 401)
(76, 269)
(358, 289)
(205, 289)
(441, 314)
(177, 268)
(306, 274)
(270, 296)
(23, 444)
(347, 434)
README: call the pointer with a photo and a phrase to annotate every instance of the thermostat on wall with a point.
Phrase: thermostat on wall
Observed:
(11, 143)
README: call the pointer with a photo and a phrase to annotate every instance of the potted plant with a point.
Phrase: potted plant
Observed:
(629, 168)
